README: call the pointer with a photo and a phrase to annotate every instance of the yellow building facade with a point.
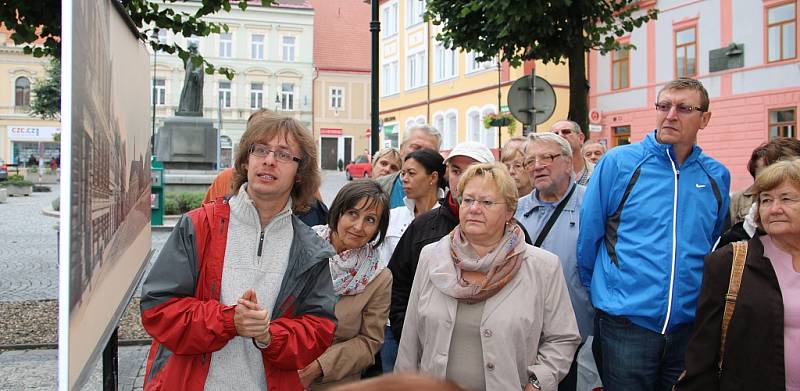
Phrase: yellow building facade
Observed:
(424, 83)
(21, 135)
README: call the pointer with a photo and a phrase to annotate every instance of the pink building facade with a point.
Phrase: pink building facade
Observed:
(743, 51)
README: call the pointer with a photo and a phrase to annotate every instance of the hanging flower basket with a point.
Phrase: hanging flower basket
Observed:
(502, 119)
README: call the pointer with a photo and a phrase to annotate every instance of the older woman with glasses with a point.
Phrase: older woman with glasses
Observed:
(513, 155)
(487, 310)
(760, 348)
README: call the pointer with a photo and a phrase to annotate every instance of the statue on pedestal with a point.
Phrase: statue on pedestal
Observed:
(191, 103)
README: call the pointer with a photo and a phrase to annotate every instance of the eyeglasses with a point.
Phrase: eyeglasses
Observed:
(545, 159)
(262, 151)
(484, 204)
(684, 109)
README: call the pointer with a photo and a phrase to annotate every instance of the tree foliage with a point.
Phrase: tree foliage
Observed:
(37, 24)
(550, 31)
(46, 102)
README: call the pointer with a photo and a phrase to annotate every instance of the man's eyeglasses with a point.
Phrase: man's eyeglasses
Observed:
(684, 109)
(544, 160)
(262, 151)
(485, 204)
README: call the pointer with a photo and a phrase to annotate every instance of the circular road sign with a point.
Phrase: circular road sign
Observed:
(526, 106)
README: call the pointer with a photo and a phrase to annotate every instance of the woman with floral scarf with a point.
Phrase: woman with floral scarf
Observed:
(487, 310)
(357, 225)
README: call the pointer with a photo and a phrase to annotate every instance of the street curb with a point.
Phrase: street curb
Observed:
(46, 346)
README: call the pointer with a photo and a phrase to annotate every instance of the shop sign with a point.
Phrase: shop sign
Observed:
(31, 133)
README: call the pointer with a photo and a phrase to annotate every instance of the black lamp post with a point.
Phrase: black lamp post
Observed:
(374, 28)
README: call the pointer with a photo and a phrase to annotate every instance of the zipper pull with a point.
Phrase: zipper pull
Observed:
(260, 244)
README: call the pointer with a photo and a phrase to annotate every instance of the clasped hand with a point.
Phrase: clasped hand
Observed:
(250, 319)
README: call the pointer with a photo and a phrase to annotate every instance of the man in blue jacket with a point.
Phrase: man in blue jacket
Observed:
(651, 212)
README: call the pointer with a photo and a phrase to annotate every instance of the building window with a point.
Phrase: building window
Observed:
(781, 32)
(416, 70)
(224, 97)
(160, 91)
(489, 136)
(287, 96)
(389, 23)
(22, 93)
(162, 36)
(620, 62)
(782, 123)
(438, 122)
(621, 135)
(473, 65)
(686, 52)
(445, 63)
(225, 45)
(474, 126)
(337, 98)
(256, 95)
(450, 131)
(225, 151)
(391, 79)
(288, 48)
(257, 47)
(414, 11)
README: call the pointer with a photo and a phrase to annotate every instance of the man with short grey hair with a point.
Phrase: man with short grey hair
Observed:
(550, 214)
(416, 137)
(571, 132)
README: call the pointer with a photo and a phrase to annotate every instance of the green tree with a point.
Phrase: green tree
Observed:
(46, 102)
(550, 31)
(37, 24)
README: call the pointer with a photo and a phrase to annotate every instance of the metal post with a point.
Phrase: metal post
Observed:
(110, 363)
(375, 28)
(499, 109)
(533, 99)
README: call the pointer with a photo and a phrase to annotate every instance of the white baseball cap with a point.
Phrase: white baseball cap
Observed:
(474, 150)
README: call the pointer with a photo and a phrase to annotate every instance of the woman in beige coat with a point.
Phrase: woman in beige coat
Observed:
(487, 310)
(357, 224)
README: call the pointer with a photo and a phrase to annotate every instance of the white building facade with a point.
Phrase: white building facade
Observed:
(270, 50)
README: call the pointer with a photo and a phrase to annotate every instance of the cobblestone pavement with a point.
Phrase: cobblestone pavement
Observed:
(29, 270)
(28, 252)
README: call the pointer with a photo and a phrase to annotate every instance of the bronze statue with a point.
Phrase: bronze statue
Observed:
(191, 103)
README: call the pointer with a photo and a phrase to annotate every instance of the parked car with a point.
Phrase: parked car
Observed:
(361, 168)
(3, 170)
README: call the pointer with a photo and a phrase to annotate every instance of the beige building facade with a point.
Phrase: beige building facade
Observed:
(22, 135)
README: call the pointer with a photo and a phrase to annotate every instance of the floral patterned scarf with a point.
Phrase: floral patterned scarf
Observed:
(352, 270)
(498, 267)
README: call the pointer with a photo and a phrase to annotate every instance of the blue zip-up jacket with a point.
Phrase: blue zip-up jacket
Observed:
(646, 224)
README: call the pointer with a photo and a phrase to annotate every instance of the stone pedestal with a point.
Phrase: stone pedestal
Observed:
(187, 143)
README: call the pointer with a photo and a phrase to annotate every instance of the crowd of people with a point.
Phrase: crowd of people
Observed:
(559, 266)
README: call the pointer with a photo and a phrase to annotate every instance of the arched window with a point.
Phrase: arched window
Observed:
(450, 134)
(474, 126)
(489, 135)
(22, 93)
(438, 122)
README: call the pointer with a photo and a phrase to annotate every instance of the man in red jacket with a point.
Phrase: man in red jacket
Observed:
(241, 294)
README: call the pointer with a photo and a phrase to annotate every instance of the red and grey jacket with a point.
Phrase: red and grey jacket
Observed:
(181, 309)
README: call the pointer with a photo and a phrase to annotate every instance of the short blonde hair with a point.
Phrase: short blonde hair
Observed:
(394, 153)
(513, 147)
(773, 176)
(501, 177)
(264, 125)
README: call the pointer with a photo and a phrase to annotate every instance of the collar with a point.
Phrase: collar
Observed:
(243, 207)
(666, 151)
(411, 204)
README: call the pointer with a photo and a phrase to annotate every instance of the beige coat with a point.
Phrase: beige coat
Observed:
(359, 333)
(527, 327)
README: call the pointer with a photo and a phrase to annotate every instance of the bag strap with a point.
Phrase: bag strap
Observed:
(737, 268)
(554, 217)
